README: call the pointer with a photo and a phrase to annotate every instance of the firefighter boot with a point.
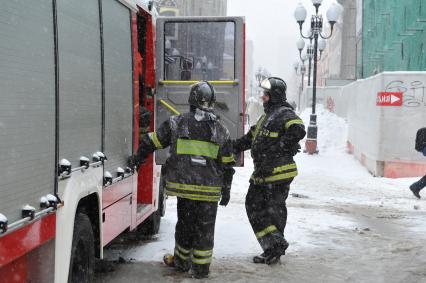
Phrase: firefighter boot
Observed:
(260, 258)
(181, 265)
(274, 254)
(172, 261)
(200, 271)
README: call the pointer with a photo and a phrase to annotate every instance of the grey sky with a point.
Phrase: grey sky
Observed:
(274, 31)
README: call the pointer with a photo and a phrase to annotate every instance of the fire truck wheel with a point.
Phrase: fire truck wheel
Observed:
(82, 264)
(151, 226)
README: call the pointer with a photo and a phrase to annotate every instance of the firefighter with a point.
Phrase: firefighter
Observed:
(273, 141)
(199, 173)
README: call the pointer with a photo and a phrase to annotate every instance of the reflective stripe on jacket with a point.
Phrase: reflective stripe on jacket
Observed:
(273, 141)
(200, 156)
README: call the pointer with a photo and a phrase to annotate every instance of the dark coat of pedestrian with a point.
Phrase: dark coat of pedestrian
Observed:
(420, 146)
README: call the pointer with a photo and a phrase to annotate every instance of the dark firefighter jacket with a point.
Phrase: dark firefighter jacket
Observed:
(200, 159)
(273, 141)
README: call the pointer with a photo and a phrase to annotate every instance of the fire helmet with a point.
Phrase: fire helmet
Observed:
(276, 89)
(202, 96)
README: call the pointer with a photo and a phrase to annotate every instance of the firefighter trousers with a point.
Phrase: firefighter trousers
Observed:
(194, 235)
(267, 212)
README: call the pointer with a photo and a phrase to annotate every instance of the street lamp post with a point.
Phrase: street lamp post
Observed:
(315, 33)
(303, 71)
(300, 67)
(310, 53)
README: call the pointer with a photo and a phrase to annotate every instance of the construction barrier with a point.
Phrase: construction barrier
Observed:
(384, 113)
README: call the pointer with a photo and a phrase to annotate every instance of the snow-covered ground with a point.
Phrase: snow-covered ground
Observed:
(343, 226)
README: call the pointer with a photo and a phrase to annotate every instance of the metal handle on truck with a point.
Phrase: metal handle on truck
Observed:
(121, 175)
(65, 169)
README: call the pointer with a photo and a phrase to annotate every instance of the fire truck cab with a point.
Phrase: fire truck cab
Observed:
(80, 81)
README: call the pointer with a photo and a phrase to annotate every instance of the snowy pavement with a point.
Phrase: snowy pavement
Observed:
(343, 226)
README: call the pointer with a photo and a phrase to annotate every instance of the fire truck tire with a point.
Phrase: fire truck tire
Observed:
(151, 226)
(82, 263)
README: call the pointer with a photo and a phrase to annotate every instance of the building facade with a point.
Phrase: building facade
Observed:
(192, 7)
(374, 36)
(393, 36)
(338, 62)
(202, 7)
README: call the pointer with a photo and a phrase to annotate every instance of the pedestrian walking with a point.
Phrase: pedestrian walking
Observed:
(420, 146)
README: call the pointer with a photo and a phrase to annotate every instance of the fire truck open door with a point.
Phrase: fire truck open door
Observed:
(191, 49)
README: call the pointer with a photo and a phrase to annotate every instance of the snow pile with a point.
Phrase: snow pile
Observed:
(332, 130)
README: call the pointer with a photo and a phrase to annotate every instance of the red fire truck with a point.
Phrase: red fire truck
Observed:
(76, 80)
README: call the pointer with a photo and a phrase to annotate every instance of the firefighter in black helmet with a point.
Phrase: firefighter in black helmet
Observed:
(273, 141)
(199, 173)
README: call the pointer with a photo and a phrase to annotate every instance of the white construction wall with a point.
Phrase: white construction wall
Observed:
(381, 137)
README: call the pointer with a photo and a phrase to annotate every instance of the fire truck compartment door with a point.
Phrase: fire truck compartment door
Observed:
(27, 107)
(192, 49)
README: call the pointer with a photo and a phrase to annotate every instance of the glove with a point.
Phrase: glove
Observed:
(235, 147)
(296, 149)
(131, 161)
(134, 162)
(289, 148)
(226, 196)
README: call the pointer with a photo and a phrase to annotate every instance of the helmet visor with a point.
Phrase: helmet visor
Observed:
(266, 84)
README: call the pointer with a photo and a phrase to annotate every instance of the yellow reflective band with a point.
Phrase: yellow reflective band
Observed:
(266, 231)
(202, 260)
(194, 197)
(273, 134)
(284, 168)
(194, 147)
(180, 188)
(293, 122)
(200, 188)
(258, 126)
(203, 253)
(228, 159)
(179, 254)
(281, 177)
(185, 251)
(154, 138)
(194, 82)
(216, 191)
(274, 178)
